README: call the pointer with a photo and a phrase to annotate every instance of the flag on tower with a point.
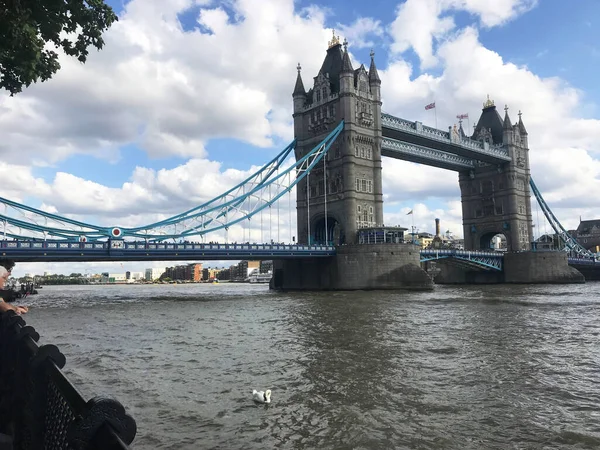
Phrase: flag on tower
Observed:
(463, 116)
(430, 106)
(409, 213)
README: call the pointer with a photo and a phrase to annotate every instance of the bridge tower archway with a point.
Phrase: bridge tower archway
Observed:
(335, 232)
(494, 241)
(350, 179)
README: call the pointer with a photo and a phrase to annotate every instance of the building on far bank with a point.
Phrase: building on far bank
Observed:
(588, 234)
(154, 273)
(210, 274)
(242, 270)
(185, 272)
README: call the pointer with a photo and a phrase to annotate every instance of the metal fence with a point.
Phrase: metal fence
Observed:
(41, 409)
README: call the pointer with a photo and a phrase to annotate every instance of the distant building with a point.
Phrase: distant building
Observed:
(154, 273)
(210, 274)
(588, 234)
(243, 270)
(546, 242)
(186, 272)
(266, 266)
(117, 277)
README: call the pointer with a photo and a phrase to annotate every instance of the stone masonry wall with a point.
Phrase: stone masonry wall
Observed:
(368, 267)
(540, 267)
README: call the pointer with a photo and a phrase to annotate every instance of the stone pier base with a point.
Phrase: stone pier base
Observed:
(540, 267)
(355, 267)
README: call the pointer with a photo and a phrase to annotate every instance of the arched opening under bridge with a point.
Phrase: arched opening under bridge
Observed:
(335, 233)
(494, 241)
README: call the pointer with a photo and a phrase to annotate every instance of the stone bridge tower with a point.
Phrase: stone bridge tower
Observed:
(353, 192)
(496, 199)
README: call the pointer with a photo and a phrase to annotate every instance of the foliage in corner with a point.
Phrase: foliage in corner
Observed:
(26, 26)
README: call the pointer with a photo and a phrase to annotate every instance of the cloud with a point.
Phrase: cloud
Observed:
(166, 89)
(420, 24)
(357, 33)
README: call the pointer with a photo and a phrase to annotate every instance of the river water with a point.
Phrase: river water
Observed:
(469, 367)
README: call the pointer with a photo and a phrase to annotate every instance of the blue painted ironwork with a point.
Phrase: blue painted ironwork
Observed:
(416, 153)
(491, 261)
(571, 244)
(585, 261)
(121, 250)
(256, 193)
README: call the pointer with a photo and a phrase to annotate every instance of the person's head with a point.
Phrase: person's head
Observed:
(8, 264)
(4, 274)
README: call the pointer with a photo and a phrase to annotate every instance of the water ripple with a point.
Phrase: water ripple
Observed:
(494, 367)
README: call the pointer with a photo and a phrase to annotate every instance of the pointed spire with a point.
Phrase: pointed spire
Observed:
(373, 75)
(346, 64)
(507, 125)
(299, 88)
(521, 126)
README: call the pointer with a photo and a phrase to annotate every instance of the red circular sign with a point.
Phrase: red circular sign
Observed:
(116, 232)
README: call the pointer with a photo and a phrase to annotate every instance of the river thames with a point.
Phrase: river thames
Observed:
(468, 367)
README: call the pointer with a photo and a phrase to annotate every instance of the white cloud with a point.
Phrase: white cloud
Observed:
(420, 24)
(358, 32)
(166, 89)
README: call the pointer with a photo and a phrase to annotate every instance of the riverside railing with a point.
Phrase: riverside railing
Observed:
(41, 409)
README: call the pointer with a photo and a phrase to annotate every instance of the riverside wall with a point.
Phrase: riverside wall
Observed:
(519, 268)
(540, 267)
(355, 267)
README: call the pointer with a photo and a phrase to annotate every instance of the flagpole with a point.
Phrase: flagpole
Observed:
(435, 112)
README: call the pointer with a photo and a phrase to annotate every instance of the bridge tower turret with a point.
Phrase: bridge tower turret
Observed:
(350, 187)
(496, 199)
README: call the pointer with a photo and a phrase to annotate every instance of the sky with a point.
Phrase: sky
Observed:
(189, 96)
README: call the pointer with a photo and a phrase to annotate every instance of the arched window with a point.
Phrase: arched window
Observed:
(324, 93)
(318, 95)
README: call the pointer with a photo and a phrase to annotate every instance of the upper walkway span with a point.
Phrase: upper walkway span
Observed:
(444, 141)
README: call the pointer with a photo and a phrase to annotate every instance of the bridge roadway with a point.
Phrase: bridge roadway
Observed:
(119, 250)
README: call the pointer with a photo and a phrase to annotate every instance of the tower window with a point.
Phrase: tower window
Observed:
(324, 93)
(318, 95)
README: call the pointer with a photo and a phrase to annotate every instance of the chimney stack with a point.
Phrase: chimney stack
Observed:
(437, 227)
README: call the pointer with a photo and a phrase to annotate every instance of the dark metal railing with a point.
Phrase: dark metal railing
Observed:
(41, 409)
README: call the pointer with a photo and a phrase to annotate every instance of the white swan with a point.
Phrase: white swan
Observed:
(261, 397)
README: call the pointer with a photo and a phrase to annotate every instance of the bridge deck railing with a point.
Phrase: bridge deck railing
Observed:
(66, 245)
(464, 253)
(41, 409)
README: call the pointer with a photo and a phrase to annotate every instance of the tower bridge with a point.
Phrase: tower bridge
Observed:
(341, 136)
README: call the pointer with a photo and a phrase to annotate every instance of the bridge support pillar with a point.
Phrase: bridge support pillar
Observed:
(540, 267)
(355, 267)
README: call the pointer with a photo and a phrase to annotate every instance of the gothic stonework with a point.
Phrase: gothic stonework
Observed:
(497, 199)
(354, 191)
